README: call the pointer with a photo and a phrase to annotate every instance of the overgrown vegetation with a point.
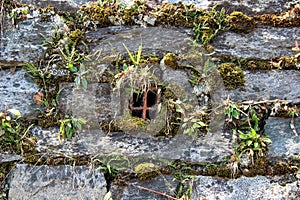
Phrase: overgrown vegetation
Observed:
(247, 122)
(14, 131)
(67, 50)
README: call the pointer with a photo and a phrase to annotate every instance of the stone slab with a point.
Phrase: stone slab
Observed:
(23, 43)
(213, 147)
(262, 43)
(8, 157)
(254, 188)
(162, 184)
(16, 91)
(269, 85)
(62, 5)
(284, 142)
(59, 182)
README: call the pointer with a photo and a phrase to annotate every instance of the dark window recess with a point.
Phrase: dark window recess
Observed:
(145, 104)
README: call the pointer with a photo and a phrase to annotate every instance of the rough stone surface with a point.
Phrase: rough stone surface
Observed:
(24, 42)
(20, 43)
(262, 43)
(162, 184)
(255, 188)
(154, 39)
(284, 142)
(16, 91)
(209, 148)
(269, 85)
(59, 182)
(8, 157)
(63, 5)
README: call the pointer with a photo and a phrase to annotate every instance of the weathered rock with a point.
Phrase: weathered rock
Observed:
(269, 85)
(8, 157)
(284, 142)
(96, 142)
(23, 42)
(99, 103)
(211, 148)
(258, 187)
(163, 184)
(59, 182)
(262, 43)
(153, 39)
(16, 91)
(62, 5)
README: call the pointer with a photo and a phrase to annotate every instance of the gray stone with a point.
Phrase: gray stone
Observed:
(59, 182)
(262, 43)
(162, 184)
(284, 142)
(62, 5)
(255, 188)
(269, 85)
(23, 43)
(16, 91)
(153, 39)
(209, 148)
(8, 157)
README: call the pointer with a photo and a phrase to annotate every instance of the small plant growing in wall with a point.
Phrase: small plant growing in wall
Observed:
(12, 130)
(244, 120)
(68, 126)
(10, 127)
(192, 123)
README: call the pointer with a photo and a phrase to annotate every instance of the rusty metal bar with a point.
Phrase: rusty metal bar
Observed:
(145, 108)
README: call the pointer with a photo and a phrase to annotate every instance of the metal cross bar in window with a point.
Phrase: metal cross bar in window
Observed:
(142, 104)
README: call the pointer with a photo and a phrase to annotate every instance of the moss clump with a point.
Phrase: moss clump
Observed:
(170, 60)
(177, 14)
(240, 22)
(76, 35)
(100, 14)
(281, 168)
(282, 62)
(146, 171)
(257, 65)
(232, 75)
(290, 18)
(130, 123)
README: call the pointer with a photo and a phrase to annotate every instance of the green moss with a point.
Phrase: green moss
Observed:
(240, 22)
(224, 171)
(232, 75)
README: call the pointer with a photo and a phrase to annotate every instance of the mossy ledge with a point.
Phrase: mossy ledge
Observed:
(282, 62)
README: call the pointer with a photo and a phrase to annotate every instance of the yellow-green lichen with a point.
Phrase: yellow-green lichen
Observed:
(232, 75)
